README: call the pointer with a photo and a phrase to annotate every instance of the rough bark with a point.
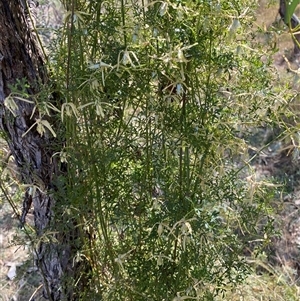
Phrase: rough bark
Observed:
(294, 23)
(20, 59)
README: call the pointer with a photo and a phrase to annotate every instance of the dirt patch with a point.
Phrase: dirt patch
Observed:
(19, 278)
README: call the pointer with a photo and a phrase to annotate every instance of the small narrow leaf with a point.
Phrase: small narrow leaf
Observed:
(290, 9)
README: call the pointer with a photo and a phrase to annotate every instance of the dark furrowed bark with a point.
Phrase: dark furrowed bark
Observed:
(294, 23)
(20, 59)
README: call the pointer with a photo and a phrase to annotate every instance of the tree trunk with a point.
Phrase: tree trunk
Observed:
(294, 23)
(22, 67)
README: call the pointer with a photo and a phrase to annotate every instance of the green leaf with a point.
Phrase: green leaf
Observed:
(290, 9)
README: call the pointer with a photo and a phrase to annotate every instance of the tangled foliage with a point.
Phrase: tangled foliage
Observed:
(154, 97)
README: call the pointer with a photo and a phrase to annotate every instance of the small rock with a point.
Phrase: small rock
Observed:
(12, 273)
(297, 202)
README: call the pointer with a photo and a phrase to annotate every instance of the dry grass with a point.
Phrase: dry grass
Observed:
(14, 246)
(275, 282)
(13, 251)
(276, 286)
